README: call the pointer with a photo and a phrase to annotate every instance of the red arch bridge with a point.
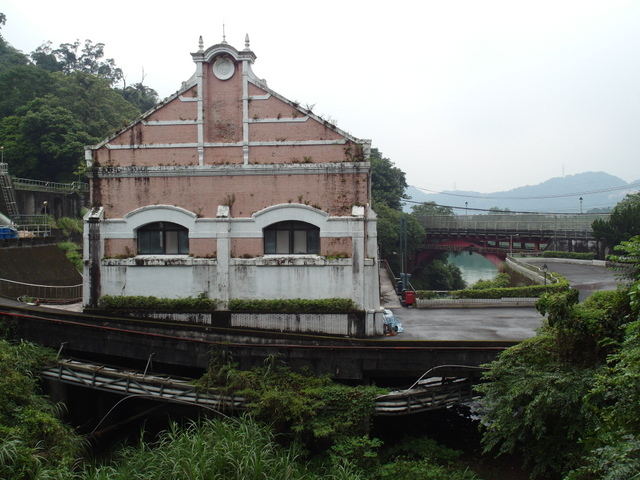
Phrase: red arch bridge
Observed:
(496, 235)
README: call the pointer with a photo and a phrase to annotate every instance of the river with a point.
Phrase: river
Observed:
(473, 267)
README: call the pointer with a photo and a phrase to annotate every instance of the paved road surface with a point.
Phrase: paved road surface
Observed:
(467, 323)
(586, 278)
(496, 323)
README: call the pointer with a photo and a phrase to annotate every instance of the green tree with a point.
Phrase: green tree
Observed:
(139, 95)
(534, 406)
(535, 392)
(21, 84)
(44, 141)
(389, 234)
(430, 208)
(623, 223)
(497, 210)
(99, 108)
(9, 56)
(67, 58)
(388, 182)
(438, 274)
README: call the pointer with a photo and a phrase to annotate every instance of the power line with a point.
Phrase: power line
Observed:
(505, 212)
(559, 195)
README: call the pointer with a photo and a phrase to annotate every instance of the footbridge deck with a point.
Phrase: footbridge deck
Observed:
(426, 394)
(533, 225)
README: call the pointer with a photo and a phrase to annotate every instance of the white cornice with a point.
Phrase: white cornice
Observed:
(230, 170)
(270, 143)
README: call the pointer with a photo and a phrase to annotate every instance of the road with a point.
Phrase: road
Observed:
(484, 324)
(586, 278)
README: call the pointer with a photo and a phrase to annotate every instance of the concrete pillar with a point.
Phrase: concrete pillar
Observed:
(93, 253)
(223, 239)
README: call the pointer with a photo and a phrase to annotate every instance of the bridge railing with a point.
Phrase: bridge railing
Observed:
(513, 223)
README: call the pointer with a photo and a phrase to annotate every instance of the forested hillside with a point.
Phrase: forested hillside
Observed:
(54, 101)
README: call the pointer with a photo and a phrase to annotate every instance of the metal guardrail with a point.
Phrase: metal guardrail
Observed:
(54, 187)
(40, 293)
(36, 225)
(507, 302)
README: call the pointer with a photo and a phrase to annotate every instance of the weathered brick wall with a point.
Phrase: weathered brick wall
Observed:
(247, 247)
(126, 247)
(120, 247)
(334, 194)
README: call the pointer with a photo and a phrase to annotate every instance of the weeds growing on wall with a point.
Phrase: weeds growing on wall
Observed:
(73, 252)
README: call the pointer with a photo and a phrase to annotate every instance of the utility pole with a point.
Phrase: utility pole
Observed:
(404, 252)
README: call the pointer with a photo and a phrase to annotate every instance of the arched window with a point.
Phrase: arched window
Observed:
(291, 237)
(163, 238)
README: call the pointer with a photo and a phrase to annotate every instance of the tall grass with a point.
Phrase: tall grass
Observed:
(211, 449)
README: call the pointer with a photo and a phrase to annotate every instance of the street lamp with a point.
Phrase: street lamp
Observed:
(580, 204)
(545, 269)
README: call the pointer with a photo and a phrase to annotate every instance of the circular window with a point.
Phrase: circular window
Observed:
(223, 68)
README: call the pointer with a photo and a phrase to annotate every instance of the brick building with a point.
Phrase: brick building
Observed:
(230, 189)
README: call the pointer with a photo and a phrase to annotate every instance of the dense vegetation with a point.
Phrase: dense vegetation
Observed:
(568, 399)
(388, 184)
(623, 223)
(297, 426)
(55, 101)
(34, 443)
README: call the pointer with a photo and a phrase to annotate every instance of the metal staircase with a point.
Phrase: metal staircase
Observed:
(8, 191)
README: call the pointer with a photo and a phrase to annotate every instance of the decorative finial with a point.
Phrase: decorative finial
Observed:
(224, 35)
(246, 42)
(200, 44)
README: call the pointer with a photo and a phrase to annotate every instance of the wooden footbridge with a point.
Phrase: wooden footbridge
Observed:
(426, 394)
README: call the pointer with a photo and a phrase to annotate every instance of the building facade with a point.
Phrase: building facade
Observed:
(230, 190)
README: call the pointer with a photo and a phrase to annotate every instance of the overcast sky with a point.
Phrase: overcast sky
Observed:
(467, 95)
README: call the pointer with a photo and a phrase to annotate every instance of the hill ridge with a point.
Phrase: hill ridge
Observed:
(577, 193)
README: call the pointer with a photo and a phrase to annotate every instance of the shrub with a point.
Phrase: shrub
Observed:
(312, 409)
(69, 226)
(34, 442)
(530, 291)
(296, 305)
(189, 304)
(501, 280)
(572, 255)
(72, 250)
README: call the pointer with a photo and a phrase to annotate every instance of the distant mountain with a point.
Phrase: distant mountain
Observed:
(557, 195)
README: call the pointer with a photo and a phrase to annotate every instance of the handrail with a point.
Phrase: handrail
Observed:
(44, 186)
(41, 293)
(38, 225)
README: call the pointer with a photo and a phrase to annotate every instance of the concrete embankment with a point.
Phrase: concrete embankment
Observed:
(36, 270)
